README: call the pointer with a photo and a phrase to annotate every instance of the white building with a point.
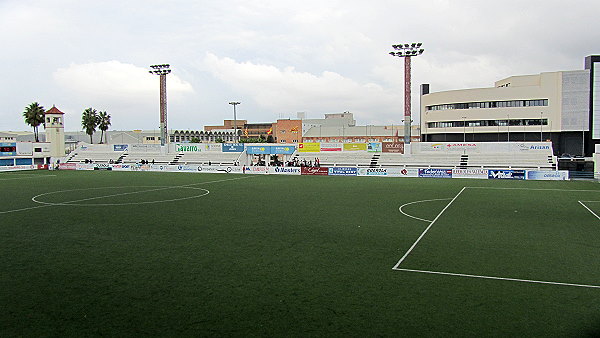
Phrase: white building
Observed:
(552, 106)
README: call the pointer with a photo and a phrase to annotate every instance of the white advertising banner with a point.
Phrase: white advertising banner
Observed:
(470, 173)
(17, 167)
(548, 175)
(284, 170)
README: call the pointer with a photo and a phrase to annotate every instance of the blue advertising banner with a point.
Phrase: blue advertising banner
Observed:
(120, 147)
(256, 150)
(548, 175)
(343, 171)
(286, 150)
(233, 147)
(374, 147)
(507, 174)
(440, 173)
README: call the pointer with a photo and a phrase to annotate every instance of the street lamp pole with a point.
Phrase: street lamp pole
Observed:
(407, 51)
(162, 71)
(541, 125)
(235, 135)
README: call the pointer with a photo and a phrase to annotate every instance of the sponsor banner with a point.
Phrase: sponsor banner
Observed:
(120, 167)
(314, 171)
(470, 173)
(433, 172)
(392, 147)
(507, 174)
(485, 147)
(188, 147)
(17, 167)
(548, 175)
(67, 166)
(331, 146)
(310, 147)
(84, 166)
(24, 148)
(141, 148)
(120, 147)
(343, 171)
(258, 150)
(210, 146)
(285, 150)
(189, 168)
(233, 147)
(372, 172)
(374, 147)
(355, 146)
(534, 146)
(102, 166)
(402, 172)
(284, 170)
(257, 170)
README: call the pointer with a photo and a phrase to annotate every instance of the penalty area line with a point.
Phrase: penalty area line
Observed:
(498, 278)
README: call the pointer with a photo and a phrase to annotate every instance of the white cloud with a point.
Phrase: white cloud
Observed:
(113, 79)
(285, 90)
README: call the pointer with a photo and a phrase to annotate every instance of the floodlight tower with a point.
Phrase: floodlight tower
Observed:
(407, 51)
(162, 71)
(235, 134)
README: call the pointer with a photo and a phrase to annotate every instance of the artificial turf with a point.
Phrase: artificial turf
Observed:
(292, 256)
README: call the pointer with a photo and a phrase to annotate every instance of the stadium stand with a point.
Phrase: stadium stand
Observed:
(81, 157)
(512, 161)
(326, 159)
(434, 160)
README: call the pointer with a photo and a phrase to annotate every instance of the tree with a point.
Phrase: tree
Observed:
(270, 139)
(34, 116)
(195, 140)
(103, 123)
(89, 121)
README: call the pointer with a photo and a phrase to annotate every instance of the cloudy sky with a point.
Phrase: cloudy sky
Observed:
(276, 57)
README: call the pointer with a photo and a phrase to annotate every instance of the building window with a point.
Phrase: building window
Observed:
(490, 104)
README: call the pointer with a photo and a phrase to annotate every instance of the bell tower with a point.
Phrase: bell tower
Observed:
(55, 131)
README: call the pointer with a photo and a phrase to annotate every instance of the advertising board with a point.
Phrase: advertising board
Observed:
(188, 148)
(434, 172)
(331, 146)
(470, 173)
(232, 147)
(120, 147)
(67, 166)
(284, 170)
(210, 146)
(402, 172)
(372, 172)
(314, 171)
(257, 170)
(17, 167)
(343, 171)
(374, 147)
(309, 147)
(392, 147)
(286, 150)
(257, 150)
(102, 166)
(548, 175)
(507, 174)
(121, 167)
(355, 146)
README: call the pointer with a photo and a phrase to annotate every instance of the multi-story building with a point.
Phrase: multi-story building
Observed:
(556, 106)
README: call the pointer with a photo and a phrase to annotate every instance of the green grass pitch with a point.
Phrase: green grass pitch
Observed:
(169, 254)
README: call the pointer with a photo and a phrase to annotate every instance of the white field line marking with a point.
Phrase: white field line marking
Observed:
(427, 229)
(25, 177)
(499, 278)
(34, 198)
(81, 200)
(534, 189)
(588, 209)
(415, 217)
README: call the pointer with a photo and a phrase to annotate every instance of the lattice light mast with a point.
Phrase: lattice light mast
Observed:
(162, 71)
(235, 133)
(407, 51)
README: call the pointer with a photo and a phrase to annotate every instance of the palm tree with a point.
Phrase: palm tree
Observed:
(34, 116)
(103, 123)
(89, 121)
